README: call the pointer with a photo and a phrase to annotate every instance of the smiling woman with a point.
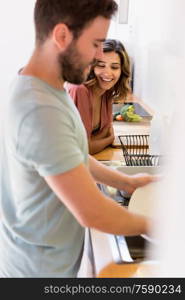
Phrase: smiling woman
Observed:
(108, 70)
(109, 78)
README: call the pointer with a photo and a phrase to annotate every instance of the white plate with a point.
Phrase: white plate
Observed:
(144, 200)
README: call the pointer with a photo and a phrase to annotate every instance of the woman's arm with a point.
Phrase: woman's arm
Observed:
(101, 140)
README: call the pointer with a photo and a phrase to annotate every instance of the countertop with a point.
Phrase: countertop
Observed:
(114, 152)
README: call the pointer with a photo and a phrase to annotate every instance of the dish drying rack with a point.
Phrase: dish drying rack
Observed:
(136, 150)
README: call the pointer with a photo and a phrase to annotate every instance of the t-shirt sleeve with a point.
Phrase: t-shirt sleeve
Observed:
(47, 141)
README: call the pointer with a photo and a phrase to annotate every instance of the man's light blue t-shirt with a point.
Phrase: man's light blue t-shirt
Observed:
(43, 135)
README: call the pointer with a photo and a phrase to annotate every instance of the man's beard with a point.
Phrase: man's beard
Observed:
(71, 67)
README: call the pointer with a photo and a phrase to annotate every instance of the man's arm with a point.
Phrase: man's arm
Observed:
(78, 191)
(119, 180)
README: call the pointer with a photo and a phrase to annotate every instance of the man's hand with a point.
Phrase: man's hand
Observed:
(139, 180)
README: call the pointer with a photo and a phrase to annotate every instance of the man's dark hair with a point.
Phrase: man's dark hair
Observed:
(76, 14)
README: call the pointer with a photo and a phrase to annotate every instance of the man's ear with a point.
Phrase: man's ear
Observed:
(62, 36)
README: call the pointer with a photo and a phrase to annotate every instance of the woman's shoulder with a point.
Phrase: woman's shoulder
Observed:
(81, 88)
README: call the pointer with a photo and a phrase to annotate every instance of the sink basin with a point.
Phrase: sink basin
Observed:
(129, 249)
(137, 246)
(131, 170)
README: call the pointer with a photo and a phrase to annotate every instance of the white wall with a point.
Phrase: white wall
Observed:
(153, 37)
(156, 41)
(16, 41)
(159, 53)
(122, 31)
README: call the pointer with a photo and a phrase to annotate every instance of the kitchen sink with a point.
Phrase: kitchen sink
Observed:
(137, 246)
(129, 249)
(132, 170)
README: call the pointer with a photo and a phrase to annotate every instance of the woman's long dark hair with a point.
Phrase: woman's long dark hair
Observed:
(122, 87)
